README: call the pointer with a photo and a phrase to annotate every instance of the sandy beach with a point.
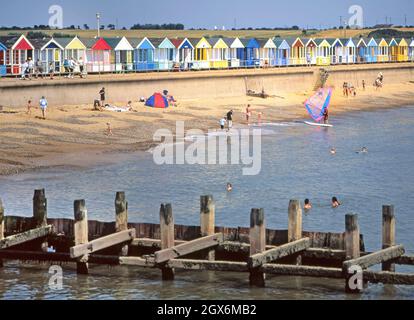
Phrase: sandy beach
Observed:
(75, 135)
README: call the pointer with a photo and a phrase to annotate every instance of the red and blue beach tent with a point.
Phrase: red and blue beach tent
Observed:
(157, 101)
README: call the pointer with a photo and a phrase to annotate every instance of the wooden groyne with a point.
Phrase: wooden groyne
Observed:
(169, 247)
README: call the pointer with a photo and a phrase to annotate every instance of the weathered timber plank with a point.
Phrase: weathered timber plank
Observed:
(208, 265)
(55, 257)
(386, 277)
(152, 243)
(102, 243)
(147, 262)
(279, 252)
(188, 248)
(25, 237)
(290, 270)
(376, 257)
(405, 260)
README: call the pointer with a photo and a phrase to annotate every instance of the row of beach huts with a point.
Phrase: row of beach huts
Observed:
(149, 54)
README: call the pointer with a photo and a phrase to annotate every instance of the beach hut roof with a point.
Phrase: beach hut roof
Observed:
(2, 47)
(71, 43)
(156, 41)
(166, 44)
(229, 41)
(334, 42)
(402, 42)
(412, 43)
(372, 42)
(309, 42)
(250, 43)
(145, 43)
(194, 41)
(269, 44)
(182, 43)
(320, 42)
(383, 43)
(119, 44)
(293, 41)
(393, 43)
(22, 43)
(361, 41)
(8, 41)
(281, 44)
(39, 43)
(203, 44)
(237, 44)
(216, 42)
(347, 42)
(52, 44)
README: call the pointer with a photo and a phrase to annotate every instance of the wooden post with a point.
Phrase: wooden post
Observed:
(352, 247)
(167, 237)
(121, 213)
(40, 213)
(1, 227)
(257, 244)
(81, 233)
(207, 220)
(388, 234)
(295, 225)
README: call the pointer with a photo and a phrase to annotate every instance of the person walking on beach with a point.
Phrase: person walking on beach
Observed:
(222, 123)
(230, 119)
(29, 107)
(24, 69)
(363, 85)
(109, 129)
(30, 68)
(43, 107)
(102, 95)
(39, 69)
(248, 113)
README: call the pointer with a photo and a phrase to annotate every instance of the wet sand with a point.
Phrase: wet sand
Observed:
(74, 135)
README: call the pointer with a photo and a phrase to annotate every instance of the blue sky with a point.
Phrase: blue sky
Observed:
(207, 14)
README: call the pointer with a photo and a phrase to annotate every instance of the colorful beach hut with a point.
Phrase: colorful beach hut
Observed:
(267, 52)
(98, 55)
(250, 53)
(3, 69)
(18, 50)
(361, 50)
(165, 53)
(144, 54)
(184, 53)
(49, 52)
(411, 50)
(121, 54)
(402, 50)
(73, 48)
(311, 51)
(372, 50)
(323, 52)
(236, 52)
(383, 51)
(282, 52)
(349, 51)
(337, 51)
(297, 52)
(202, 53)
(219, 58)
(393, 50)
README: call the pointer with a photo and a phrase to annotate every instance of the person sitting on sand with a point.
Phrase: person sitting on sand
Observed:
(308, 205)
(43, 106)
(335, 202)
(229, 187)
(222, 123)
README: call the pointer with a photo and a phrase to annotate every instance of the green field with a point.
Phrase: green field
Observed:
(208, 33)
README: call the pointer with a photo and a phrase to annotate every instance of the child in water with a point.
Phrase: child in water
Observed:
(229, 187)
(335, 202)
(308, 205)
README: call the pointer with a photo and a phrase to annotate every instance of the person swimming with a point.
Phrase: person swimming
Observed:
(333, 151)
(308, 205)
(363, 150)
(229, 187)
(335, 202)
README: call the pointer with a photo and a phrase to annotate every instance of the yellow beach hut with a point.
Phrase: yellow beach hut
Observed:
(219, 58)
(383, 51)
(323, 52)
(202, 53)
(402, 50)
(393, 50)
(73, 48)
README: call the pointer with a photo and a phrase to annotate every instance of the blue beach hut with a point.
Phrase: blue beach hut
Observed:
(372, 50)
(3, 69)
(282, 52)
(165, 53)
(250, 53)
(361, 51)
(144, 53)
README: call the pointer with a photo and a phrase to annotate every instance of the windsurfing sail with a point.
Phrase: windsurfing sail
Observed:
(318, 103)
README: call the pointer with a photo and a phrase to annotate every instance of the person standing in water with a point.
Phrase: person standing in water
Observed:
(43, 107)
(308, 205)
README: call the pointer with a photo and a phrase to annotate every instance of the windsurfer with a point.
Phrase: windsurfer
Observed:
(326, 116)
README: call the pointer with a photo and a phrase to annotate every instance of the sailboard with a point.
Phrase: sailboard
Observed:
(317, 105)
